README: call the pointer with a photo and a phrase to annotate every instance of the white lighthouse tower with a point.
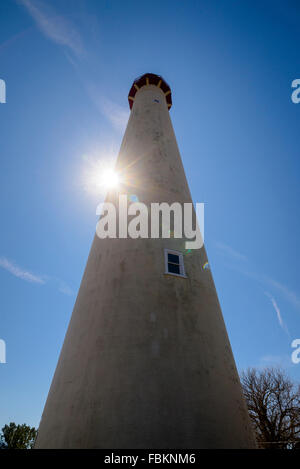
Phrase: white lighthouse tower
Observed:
(146, 361)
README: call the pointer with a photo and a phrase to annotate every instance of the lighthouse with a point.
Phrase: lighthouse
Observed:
(146, 361)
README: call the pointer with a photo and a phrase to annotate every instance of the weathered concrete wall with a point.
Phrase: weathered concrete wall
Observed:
(146, 362)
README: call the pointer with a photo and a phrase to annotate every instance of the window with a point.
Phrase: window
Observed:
(174, 263)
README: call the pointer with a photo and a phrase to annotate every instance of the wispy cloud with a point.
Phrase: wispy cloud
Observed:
(281, 361)
(65, 289)
(54, 26)
(27, 276)
(278, 313)
(116, 114)
(289, 295)
(265, 280)
(230, 251)
(61, 31)
(19, 272)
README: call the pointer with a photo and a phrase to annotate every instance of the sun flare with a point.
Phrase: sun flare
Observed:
(98, 175)
(110, 179)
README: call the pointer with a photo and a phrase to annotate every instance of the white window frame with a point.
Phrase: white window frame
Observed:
(181, 263)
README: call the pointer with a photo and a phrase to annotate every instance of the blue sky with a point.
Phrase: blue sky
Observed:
(68, 67)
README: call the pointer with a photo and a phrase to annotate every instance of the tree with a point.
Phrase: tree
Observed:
(17, 436)
(273, 402)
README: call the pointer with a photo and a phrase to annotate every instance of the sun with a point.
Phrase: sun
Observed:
(109, 179)
(98, 175)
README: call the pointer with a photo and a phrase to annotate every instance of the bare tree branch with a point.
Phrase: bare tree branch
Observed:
(273, 402)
